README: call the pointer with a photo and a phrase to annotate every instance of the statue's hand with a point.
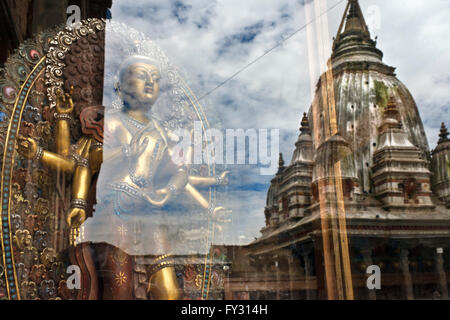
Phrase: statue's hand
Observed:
(158, 198)
(221, 214)
(223, 178)
(76, 217)
(64, 102)
(163, 192)
(27, 147)
(137, 147)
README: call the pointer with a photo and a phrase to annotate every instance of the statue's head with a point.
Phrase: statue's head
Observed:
(138, 83)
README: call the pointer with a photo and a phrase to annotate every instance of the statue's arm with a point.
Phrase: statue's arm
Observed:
(177, 182)
(80, 187)
(110, 154)
(57, 162)
(219, 213)
(28, 148)
(186, 158)
(209, 181)
(64, 108)
(193, 193)
(116, 141)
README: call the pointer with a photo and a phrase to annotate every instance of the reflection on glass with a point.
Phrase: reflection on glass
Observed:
(101, 198)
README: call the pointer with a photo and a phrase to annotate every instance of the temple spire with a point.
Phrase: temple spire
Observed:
(280, 164)
(281, 161)
(303, 146)
(443, 135)
(304, 125)
(354, 22)
(391, 110)
(391, 134)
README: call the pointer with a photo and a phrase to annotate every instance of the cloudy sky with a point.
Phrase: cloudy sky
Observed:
(210, 40)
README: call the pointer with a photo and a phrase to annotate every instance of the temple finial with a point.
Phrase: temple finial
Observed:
(304, 128)
(391, 116)
(354, 22)
(281, 161)
(443, 135)
(391, 110)
(280, 164)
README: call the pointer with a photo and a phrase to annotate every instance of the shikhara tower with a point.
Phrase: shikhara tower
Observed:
(362, 187)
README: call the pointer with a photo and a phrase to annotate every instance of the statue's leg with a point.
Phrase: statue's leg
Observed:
(163, 284)
(116, 269)
(82, 256)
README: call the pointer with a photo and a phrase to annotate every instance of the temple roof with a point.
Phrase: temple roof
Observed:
(353, 35)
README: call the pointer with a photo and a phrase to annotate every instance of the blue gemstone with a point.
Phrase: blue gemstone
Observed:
(12, 284)
(10, 272)
(5, 225)
(8, 254)
(6, 241)
(7, 248)
(14, 296)
(6, 236)
(8, 260)
(5, 218)
(5, 207)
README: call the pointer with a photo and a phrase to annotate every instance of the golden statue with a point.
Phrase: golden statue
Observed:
(140, 177)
